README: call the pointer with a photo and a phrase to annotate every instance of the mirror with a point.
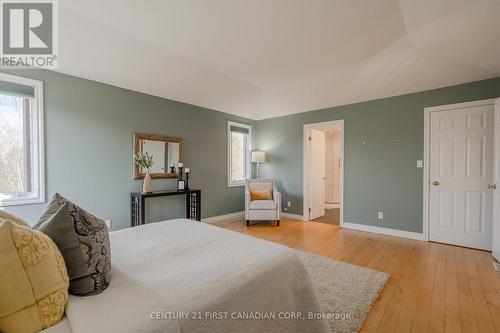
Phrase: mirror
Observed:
(166, 151)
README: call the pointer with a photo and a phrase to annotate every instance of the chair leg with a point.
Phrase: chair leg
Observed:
(248, 223)
(278, 222)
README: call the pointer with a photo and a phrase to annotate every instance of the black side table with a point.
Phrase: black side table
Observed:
(138, 204)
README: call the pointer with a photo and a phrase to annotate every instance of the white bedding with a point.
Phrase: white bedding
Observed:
(186, 266)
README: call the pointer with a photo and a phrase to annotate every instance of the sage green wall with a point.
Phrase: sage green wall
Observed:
(379, 177)
(88, 147)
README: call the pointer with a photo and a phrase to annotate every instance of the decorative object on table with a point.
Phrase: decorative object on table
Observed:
(172, 168)
(187, 171)
(145, 161)
(258, 157)
(181, 183)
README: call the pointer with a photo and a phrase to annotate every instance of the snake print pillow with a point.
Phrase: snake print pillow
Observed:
(84, 243)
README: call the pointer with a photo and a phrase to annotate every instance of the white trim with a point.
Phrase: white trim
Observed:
(426, 157)
(248, 153)
(330, 205)
(225, 217)
(292, 216)
(305, 165)
(495, 241)
(464, 105)
(38, 145)
(384, 231)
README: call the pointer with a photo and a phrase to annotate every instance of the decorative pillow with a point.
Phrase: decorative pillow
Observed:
(84, 243)
(6, 216)
(33, 279)
(261, 195)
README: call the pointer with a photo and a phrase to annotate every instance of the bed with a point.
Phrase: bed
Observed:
(186, 276)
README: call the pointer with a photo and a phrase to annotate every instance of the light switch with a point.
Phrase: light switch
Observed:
(420, 164)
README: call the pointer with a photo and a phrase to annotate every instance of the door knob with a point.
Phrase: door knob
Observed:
(436, 183)
(492, 186)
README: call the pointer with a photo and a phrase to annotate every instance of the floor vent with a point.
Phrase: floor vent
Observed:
(496, 266)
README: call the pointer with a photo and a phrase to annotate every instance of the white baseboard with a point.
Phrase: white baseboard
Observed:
(384, 231)
(496, 255)
(225, 217)
(292, 216)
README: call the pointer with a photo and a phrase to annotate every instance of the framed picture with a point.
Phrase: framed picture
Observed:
(181, 185)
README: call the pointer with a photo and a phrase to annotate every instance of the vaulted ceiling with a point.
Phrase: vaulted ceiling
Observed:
(267, 58)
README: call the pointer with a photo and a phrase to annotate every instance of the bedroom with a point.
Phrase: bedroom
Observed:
(225, 90)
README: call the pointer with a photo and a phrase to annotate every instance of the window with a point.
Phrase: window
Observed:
(239, 142)
(21, 138)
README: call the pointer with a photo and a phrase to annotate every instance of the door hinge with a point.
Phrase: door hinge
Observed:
(309, 138)
(309, 209)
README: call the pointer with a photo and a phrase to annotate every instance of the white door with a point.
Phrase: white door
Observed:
(496, 192)
(317, 174)
(461, 170)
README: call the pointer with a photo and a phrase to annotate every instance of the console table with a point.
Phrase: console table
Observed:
(138, 204)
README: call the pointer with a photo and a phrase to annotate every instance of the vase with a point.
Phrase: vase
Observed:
(146, 185)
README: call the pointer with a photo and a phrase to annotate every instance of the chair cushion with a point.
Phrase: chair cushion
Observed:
(262, 204)
(259, 184)
(33, 279)
(261, 195)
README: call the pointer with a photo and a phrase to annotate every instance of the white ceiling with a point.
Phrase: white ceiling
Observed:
(267, 58)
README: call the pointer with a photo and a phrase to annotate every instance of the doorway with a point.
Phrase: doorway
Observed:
(459, 174)
(323, 172)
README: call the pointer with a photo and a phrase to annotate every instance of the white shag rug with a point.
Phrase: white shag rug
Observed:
(346, 292)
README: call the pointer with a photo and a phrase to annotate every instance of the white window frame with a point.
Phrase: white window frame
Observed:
(38, 157)
(247, 155)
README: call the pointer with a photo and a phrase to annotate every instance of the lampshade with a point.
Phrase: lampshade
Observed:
(258, 156)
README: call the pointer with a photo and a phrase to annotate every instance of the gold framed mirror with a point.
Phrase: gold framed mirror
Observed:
(167, 151)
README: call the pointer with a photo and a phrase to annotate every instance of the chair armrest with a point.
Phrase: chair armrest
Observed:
(247, 197)
(277, 199)
(276, 195)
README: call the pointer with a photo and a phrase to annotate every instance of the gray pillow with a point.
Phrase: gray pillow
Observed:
(84, 243)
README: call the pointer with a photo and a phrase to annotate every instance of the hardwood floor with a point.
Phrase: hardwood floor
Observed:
(332, 216)
(432, 287)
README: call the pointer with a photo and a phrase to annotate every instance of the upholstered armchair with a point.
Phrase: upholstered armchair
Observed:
(266, 203)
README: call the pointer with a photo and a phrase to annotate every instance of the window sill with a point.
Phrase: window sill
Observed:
(21, 201)
(235, 184)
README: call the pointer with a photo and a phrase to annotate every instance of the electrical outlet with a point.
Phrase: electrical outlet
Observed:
(289, 204)
(108, 223)
(420, 164)
(380, 215)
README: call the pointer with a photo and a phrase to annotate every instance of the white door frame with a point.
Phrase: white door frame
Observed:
(305, 165)
(427, 133)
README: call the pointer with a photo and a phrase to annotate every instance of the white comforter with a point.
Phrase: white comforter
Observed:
(180, 266)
